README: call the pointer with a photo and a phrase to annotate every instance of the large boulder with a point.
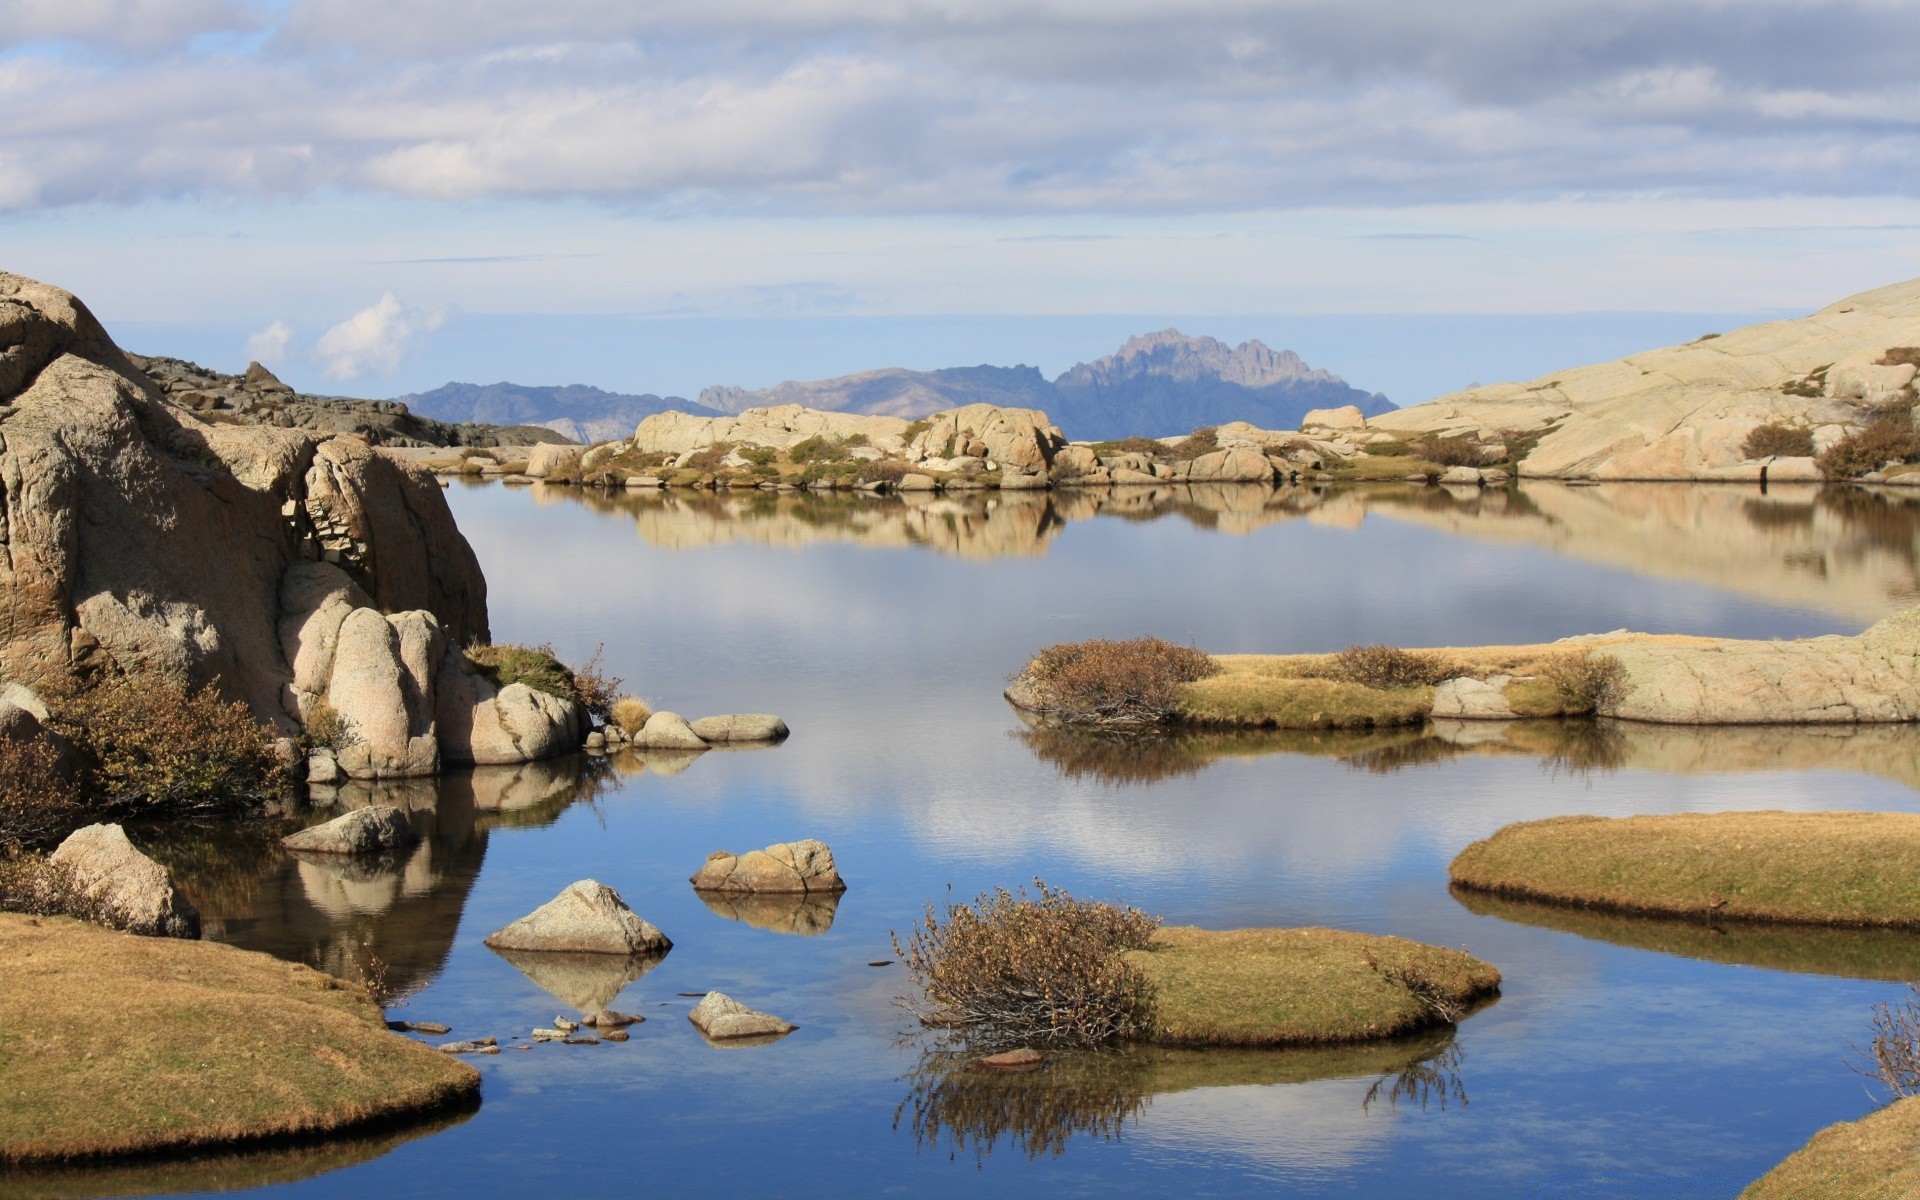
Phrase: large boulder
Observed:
(740, 727)
(667, 731)
(124, 887)
(543, 461)
(141, 535)
(803, 866)
(587, 917)
(375, 829)
(479, 723)
(1231, 466)
(721, 1017)
(1018, 440)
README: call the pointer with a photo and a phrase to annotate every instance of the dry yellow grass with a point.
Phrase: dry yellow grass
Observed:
(1869, 1159)
(1835, 868)
(1290, 987)
(1264, 701)
(202, 1046)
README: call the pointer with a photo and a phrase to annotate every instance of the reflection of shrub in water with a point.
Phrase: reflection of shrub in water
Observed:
(1400, 755)
(1038, 1112)
(1424, 1081)
(1114, 758)
(1892, 1055)
(1145, 758)
(1579, 748)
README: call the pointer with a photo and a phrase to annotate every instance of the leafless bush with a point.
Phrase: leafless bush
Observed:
(325, 727)
(30, 884)
(1010, 969)
(1430, 993)
(594, 688)
(38, 805)
(1382, 667)
(1778, 441)
(1434, 1080)
(1450, 451)
(1586, 683)
(1107, 682)
(1893, 1054)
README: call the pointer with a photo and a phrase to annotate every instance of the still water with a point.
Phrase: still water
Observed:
(1624, 1057)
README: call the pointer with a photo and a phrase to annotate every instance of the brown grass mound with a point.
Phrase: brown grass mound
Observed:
(208, 1046)
(1868, 1159)
(1101, 681)
(1288, 987)
(1835, 868)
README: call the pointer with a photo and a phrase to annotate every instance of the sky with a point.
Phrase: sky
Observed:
(375, 196)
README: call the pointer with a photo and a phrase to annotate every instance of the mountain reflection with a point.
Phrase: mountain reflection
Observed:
(1840, 549)
(961, 1108)
(388, 921)
(1563, 747)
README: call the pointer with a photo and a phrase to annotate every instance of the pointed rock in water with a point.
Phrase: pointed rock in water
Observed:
(375, 829)
(720, 1017)
(741, 727)
(587, 917)
(802, 866)
(132, 891)
(667, 731)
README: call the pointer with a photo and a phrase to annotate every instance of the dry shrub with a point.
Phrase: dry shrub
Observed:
(147, 748)
(1899, 356)
(594, 688)
(710, 458)
(1778, 441)
(541, 669)
(32, 885)
(1586, 683)
(629, 713)
(884, 470)
(1382, 667)
(1109, 682)
(326, 728)
(817, 449)
(1204, 440)
(1010, 969)
(1450, 451)
(1889, 437)
(1151, 447)
(1893, 1054)
(39, 804)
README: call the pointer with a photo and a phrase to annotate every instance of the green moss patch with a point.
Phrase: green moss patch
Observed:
(207, 1046)
(1292, 987)
(1835, 868)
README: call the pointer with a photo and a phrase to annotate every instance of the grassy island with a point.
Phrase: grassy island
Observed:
(203, 1046)
(1868, 1159)
(1297, 987)
(1830, 868)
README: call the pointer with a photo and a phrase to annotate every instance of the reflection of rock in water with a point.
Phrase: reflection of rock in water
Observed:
(203, 1173)
(390, 922)
(805, 913)
(1575, 747)
(961, 1107)
(1888, 954)
(583, 981)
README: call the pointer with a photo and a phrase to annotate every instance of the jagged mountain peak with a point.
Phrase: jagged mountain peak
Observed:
(1172, 354)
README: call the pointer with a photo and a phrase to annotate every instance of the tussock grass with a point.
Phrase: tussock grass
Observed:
(1868, 1159)
(1832, 868)
(1284, 987)
(1253, 700)
(208, 1046)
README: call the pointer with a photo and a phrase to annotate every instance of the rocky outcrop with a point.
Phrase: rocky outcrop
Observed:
(587, 917)
(373, 830)
(667, 731)
(722, 1018)
(1684, 412)
(781, 427)
(123, 887)
(803, 866)
(1021, 440)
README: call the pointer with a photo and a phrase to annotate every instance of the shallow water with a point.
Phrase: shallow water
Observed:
(883, 631)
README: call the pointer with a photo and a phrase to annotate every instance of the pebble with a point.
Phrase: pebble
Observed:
(564, 1025)
(614, 1035)
(583, 1039)
(431, 1027)
(1023, 1059)
(608, 1018)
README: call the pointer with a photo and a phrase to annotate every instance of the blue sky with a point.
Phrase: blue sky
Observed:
(377, 195)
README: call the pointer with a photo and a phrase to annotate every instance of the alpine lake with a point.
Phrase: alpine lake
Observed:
(1625, 1057)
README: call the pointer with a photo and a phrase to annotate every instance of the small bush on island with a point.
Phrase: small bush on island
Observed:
(1778, 441)
(1132, 445)
(1108, 682)
(1012, 969)
(538, 667)
(1382, 667)
(1585, 683)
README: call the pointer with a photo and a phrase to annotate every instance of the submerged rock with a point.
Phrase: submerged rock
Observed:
(587, 917)
(376, 829)
(129, 890)
(721, 1017)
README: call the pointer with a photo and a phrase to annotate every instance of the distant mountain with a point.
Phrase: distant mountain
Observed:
(1156, 385)
(894, 392)
(1166, 383)
(585, 414)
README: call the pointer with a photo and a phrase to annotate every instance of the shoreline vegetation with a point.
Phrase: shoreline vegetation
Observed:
(212, 1047)
(1870, 1157)
(1850, 869)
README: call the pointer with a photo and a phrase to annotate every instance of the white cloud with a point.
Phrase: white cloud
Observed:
(270, 345)
(373, 340)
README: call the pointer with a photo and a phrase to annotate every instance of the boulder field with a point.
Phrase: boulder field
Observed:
(287, 567)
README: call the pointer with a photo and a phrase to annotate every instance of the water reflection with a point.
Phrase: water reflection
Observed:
(805, 913)
(1563, 748)
(1888, 954)
(586, 982)
(956, 1106)
(1842, 549)
(390, 921)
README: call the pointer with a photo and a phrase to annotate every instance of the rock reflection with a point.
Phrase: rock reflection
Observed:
(583, 981)
(200, 1174)
(962, 1108)
(387, 922)
(1562, 747)
(803, 913)
(1887, 954)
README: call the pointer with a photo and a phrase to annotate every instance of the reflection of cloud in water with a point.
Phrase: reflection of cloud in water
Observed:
(583, 981)
(804, 913)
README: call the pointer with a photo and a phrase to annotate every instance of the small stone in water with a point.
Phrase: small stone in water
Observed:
(584, 1039)
(614, 1035)
(431, 1027)
(547, 1035)
(564, 1025)
(1023, 1059)
(884, 962)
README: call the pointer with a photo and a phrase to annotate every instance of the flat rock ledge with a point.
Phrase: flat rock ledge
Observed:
(587, 917)
(785, 867)
(376, 829)
(127, 889)
(722, 1018)
(741, 727)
